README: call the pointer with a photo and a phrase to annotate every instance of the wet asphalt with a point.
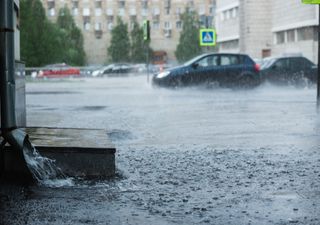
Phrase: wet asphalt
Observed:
(184, 156)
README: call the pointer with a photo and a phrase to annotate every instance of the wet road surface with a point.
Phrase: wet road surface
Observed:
(184, 156)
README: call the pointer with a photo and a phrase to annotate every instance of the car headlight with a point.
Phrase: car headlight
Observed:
(163, 74)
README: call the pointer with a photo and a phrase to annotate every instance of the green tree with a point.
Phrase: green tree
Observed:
(40, 39)
(188, 46)
(139, 45)
(119, 49)
(73, 39)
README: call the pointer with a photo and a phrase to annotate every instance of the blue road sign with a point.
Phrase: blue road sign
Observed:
(207, 37)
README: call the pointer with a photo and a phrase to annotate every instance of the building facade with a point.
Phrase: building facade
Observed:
(267, 28)
(96, 18)
(295, 29)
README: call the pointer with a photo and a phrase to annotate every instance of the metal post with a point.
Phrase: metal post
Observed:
(15, 137)
(147, 62)
(7, 80)
(318, 88)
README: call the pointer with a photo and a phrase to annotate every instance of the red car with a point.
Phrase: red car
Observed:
(58, 71)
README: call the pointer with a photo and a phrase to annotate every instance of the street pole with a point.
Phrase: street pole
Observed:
(147, 49)
(318, 83)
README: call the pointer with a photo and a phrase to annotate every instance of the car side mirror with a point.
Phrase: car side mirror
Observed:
(195, 65)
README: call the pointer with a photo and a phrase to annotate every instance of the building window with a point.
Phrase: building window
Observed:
(315, 33)
(291, 36)
(235, 12)
(167, 10)
(202, 10)
(305, 33)
(98, 30)
(98, 11)
(52, 12)
(144, 12)
(280, 37)
(144, 4)
(75, 8)
(86, 12)
(156, 25)
(167, 25)
(98, 26)
(109, 12)
(98, 4)
(86, 26)
(133, 11)
(51, 9)
(211, 10)
(121, 12)
(110, 25)
(121, 4)
(156, 11)
(75, 11)
(179, 25)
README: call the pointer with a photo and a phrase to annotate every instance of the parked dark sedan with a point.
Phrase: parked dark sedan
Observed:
(227, 69)
(295, 70)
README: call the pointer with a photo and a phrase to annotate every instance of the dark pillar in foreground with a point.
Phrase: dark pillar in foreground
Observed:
(318, 88)
(7, 81)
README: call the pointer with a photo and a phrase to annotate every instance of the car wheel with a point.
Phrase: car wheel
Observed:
(246, 81)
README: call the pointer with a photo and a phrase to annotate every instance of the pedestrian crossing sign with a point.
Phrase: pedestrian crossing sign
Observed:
(311, 1)
(207, 37)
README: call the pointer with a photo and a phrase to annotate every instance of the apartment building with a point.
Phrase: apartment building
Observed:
(267, 28)
(96, 18)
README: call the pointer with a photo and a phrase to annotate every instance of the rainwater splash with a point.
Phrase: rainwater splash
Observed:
(43, 169)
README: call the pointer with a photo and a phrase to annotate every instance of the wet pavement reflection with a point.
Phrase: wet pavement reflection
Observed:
(184, 156)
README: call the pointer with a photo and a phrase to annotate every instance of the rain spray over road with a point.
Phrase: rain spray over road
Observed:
(184, 156)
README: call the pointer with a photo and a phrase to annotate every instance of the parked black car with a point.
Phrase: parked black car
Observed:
(227, 69)
(295, 70)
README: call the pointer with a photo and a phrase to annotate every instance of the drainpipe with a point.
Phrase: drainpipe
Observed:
(15, 137)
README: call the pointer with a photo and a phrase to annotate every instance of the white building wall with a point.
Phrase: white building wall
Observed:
(293, 15)
(255, 27)
(227, 25)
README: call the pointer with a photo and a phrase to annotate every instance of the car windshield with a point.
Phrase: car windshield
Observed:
(266, 63)
(191, 61)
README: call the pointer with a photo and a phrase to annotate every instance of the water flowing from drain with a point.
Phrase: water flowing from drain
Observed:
(43, 169)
